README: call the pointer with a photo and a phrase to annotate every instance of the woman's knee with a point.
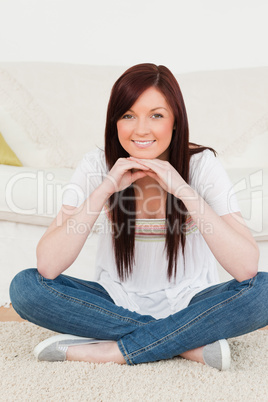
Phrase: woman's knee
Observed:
(262, 279)
(21, 287)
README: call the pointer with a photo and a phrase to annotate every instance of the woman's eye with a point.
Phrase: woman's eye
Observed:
(157, 116)
(127, 117)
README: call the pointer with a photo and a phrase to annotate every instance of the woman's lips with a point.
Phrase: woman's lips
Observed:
(143, 144)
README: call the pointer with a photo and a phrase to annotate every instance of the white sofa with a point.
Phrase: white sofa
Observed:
(52, 114)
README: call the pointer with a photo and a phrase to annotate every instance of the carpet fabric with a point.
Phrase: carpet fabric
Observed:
(22, 378)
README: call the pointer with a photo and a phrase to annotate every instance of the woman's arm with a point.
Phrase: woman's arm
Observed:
(65, 237)
(227, 236)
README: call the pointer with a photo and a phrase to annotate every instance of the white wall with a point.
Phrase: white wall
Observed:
(185, 35)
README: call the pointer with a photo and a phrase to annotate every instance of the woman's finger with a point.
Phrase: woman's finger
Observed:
(134, 165)
(138, 175)
(149, 162)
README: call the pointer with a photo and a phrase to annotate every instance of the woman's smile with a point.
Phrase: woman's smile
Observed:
(143, 144)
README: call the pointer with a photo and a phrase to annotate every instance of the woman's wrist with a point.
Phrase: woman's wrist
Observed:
(103, 193)
(184, 192)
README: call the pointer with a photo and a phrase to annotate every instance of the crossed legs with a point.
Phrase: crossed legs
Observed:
(70, 305)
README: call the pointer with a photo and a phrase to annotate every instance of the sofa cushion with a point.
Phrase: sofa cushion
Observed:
(29, 195)
(250, 153)
(60, 107)
(29, 152)
(7, 156)
(228, 110)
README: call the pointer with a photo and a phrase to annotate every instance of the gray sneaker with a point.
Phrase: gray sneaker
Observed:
(217, 355)
(54, 349)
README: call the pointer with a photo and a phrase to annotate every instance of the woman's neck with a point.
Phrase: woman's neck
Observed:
(150, 199)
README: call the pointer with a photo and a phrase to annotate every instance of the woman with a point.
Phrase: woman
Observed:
(169, 215)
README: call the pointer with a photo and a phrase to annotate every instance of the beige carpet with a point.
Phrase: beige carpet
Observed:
(22, 378)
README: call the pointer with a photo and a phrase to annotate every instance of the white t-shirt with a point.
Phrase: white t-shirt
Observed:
(148, 290)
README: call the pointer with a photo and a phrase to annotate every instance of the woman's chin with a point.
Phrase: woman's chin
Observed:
(150, 155)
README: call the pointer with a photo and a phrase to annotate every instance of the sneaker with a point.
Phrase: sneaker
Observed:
(54, 349)
(217, 355)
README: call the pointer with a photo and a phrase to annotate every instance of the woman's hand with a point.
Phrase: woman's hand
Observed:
(164, 173)
(123, 175)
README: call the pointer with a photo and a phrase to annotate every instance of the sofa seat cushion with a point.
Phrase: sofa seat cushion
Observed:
(32, 196)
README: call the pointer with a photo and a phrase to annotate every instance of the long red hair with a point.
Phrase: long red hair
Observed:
(126, 90)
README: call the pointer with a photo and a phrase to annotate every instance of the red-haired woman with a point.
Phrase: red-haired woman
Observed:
(166, 214)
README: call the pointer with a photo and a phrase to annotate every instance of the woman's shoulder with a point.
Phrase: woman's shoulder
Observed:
(94, 154)
(197, 148)
(201, 154)
(201, 164)
(94, 159)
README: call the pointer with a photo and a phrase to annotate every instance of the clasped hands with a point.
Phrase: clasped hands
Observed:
(127, 170)
(164, 173)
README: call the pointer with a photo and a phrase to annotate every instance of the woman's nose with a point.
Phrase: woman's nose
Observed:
(142, 127)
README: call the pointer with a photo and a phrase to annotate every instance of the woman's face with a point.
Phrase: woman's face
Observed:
(145, 130)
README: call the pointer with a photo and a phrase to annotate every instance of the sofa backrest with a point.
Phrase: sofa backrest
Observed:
(51, 114)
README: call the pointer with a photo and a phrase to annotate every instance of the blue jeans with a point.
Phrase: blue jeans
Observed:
(83, 308)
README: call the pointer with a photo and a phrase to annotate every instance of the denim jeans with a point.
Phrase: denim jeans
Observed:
(83, 308)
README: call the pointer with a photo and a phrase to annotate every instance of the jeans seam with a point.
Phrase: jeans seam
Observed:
(87, 304)
(187, 325)
(126, 355)
(207, 290)
(89, 285)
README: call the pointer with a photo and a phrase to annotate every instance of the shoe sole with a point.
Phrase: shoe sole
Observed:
(64, 337)
(226, 354)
